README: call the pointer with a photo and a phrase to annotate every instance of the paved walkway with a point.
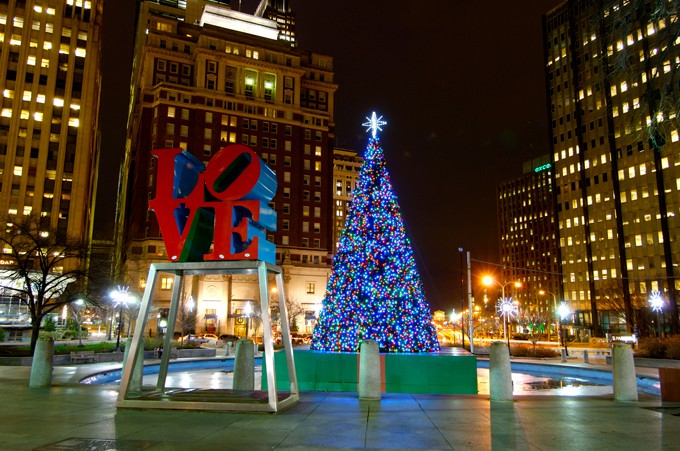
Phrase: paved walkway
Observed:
(70, 416)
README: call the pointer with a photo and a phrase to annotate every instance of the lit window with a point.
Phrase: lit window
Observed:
(171, 111)
(18, 170)
(38, 116)
(73, 122)
(64, 49)
(47, 45)
(310, 287)
(31, 60)
(58, 102)
(80, 52)
(27, 96)
(6, 112)
(40, 98)
(166, 283)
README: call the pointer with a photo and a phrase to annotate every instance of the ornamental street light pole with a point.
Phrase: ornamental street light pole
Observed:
(505, 305)
(462, 301)
(469, 287)
(562, 312)
(121, 296)
(506, 308)
(656, 301)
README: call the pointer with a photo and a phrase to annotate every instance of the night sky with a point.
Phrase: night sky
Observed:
(460, 83)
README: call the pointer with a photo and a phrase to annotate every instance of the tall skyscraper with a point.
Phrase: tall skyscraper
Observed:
(612, 73)
(528, 238)
(50, 80)
(205, 76)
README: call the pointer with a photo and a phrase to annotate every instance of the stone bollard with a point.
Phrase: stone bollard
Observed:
(623, 373)
(500, 375)
(564, 355)
(585, 356)
(369, 370)
(244, 365)
(41, 368)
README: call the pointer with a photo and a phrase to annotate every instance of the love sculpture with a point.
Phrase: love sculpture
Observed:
(223, 203)
(214, 219)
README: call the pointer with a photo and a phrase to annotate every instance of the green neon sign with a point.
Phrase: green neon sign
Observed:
(542, 168)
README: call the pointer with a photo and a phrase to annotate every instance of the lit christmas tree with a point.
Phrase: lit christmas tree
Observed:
(375, 291)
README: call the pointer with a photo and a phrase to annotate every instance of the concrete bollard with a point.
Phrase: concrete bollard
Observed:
(369, 370)
(500, 375)
(564, 355)
(585, 356)
(244, 365)
(228, 349)
(41, 368)
(623, 373)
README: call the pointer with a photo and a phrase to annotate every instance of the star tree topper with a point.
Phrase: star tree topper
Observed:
(374, 123)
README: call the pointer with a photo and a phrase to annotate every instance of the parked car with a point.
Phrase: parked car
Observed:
(211, 339)
(194, 338)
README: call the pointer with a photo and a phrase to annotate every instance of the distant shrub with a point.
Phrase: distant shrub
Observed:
(673, 348)
(652, 348)
(530, 351)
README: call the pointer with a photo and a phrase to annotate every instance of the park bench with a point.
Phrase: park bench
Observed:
(83, 357)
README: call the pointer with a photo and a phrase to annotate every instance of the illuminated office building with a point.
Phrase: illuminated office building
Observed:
(50, 81)
(612, 76)
(205, 76)
(346, 166)
(528, 240)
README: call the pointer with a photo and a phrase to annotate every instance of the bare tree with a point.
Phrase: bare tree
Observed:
(78, 307)
(44, 263)
(186, 319)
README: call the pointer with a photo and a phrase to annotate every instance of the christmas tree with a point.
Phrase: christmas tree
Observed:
(374, 291)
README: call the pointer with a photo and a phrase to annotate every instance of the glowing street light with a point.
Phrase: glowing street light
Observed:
(489, 280)
(506, 308)
(121, 297)
(656, 301)
(562, 312)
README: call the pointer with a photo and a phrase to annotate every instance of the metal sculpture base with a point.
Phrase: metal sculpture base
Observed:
(161, 397)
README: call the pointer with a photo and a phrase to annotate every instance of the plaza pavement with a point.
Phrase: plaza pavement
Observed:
(72, 416)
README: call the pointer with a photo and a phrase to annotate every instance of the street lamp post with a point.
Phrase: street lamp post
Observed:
(656, 301)
(121, 296)
(562, 312)
(462, 302)
(506, 308)
(505, 305)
